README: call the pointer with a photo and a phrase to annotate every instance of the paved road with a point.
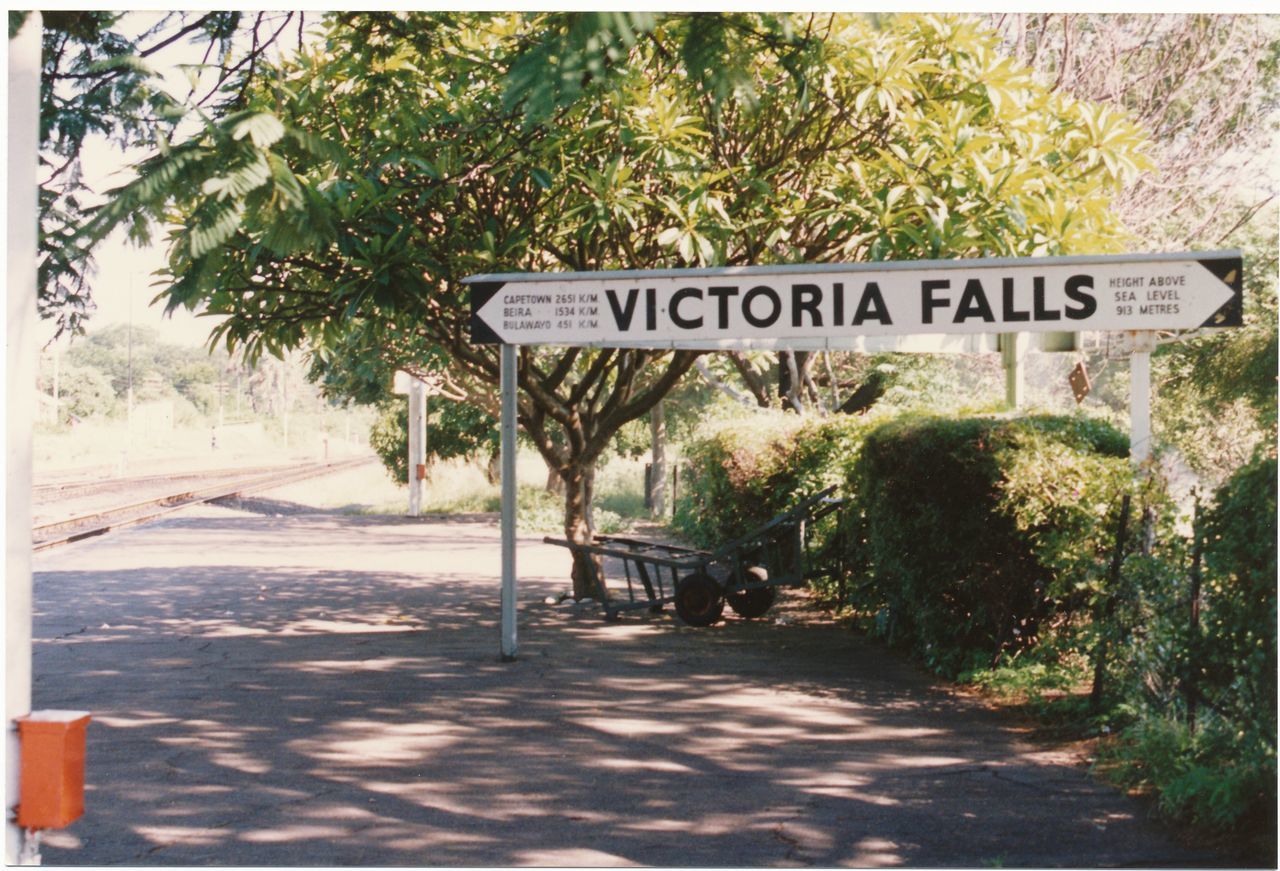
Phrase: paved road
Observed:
(326, 690)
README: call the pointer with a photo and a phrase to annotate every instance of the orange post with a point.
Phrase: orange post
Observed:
(51, 785)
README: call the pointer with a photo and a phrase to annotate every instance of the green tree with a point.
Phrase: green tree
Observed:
(454, 429)
(1215, 396)
(124, 354)
(99, 83)
(370, 174)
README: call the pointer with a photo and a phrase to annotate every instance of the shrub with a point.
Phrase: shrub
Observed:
(725, 486)
(389, 438)
(84, 392)
(1235, 652)
(741, 472)
(1213, 777)
(454, 430)
(965, 533)
(976, 530)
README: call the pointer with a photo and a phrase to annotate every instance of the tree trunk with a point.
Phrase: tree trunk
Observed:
(756, 384)
(791, 382)
(579, 482)
(555, 483)
(658, 460)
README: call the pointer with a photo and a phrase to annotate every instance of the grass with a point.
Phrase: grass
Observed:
(459, 487)
(155, 443)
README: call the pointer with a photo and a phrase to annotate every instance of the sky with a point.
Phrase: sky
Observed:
(122, 286)
(124, 283)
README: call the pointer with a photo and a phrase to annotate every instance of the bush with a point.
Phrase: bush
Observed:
(741, 472)
(1235, 652)
(389, 438)
(965, 533)
(83, 392)
(454, 430)
(977, 530)
(1214, 777)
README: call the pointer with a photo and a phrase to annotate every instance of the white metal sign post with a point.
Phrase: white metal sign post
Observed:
(835, 307)
(508, 375)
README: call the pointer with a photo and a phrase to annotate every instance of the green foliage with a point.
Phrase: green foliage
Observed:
(1216, 395)
(454, 429)
(743, 470)
(460, 430)
(120, 350)
(1221, 774)
(1234, 656)
(570, 52)
(952, 150)
(1215, 777)
(389, 438)
(976, 531)
(724, 481)
(98, 85)
(967, 534)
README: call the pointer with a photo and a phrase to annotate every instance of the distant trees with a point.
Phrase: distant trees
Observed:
(83, 392)
(96, 373)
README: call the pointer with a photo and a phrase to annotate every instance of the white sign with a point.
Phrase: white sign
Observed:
(829, 305)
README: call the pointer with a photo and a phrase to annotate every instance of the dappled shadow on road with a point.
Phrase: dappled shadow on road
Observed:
(321, 714)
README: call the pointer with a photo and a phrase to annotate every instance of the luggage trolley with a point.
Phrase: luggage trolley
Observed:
(745, 572)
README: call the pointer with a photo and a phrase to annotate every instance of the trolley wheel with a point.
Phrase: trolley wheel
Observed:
(699, 601)
(753, 603)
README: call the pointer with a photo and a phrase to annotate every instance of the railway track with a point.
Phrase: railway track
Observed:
(80, 487)
(196, 489)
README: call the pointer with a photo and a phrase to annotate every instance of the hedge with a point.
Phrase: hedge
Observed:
(959, 530)
(977, 530)
(740, 473)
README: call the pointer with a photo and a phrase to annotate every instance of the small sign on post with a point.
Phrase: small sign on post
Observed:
(1079, 381)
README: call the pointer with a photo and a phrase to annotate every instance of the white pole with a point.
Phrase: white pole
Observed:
(508, 447)
(417, 453)
(1013, 347)
(57, 392)
(20, 386)
(1140, 397)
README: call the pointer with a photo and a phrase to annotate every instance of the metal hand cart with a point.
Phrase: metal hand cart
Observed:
(745, 572)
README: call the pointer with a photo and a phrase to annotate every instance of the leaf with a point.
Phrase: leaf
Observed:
(669, 236)
(263, 129)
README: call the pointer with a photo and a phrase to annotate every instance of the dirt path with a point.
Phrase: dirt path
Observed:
(322, 690)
